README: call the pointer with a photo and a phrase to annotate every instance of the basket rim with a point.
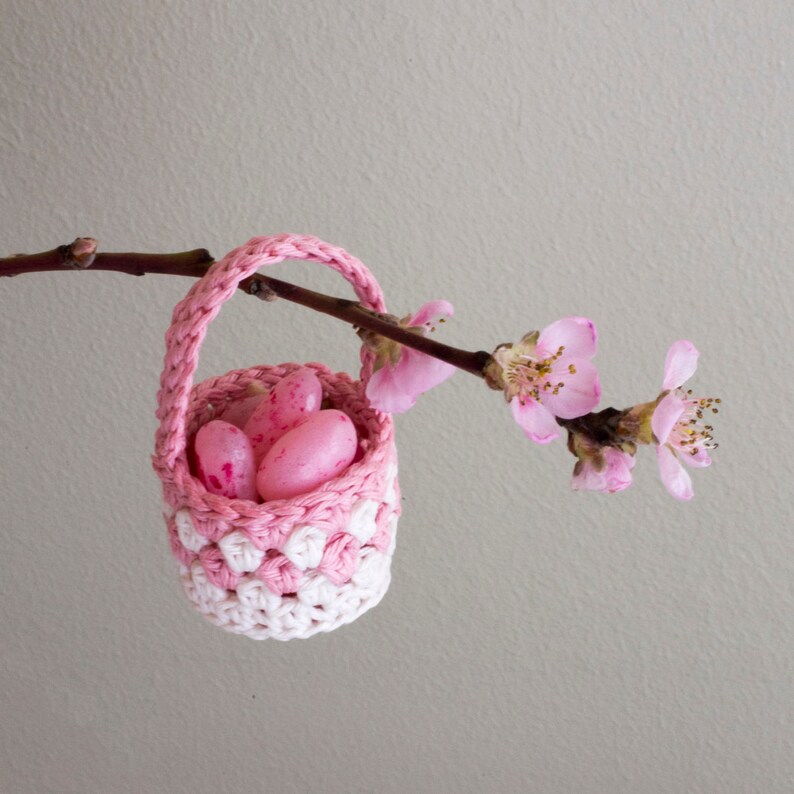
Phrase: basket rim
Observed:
(375, 459)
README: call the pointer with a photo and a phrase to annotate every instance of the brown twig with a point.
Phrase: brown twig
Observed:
(602, 427)
(82, 255)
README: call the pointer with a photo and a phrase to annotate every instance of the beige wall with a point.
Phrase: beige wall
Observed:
(631, 161)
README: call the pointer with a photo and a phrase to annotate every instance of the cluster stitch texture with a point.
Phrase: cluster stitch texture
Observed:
(288, 568)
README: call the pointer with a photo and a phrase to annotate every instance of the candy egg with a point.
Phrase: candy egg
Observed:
(305, 457)
(239, 412)
(225, 460)
(289, 403)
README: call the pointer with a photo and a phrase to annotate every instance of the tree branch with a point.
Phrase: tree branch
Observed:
(82, 255)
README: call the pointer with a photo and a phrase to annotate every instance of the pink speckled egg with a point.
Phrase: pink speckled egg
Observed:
(292, 400)
(225, 460)
(316, 451)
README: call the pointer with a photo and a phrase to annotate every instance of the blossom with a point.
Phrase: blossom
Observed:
(600, 468)
(612, 476)
(679, 431)
(401, 373)
(548, 375)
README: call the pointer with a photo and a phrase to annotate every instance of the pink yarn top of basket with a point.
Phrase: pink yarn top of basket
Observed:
(266, 523)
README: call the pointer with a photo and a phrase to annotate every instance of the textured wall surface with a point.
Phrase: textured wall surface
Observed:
(631, 161)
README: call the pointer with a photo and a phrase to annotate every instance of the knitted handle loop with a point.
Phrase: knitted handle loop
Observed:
(196, 311)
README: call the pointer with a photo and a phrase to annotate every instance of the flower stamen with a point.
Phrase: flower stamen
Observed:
(690, 433)
(528, 376)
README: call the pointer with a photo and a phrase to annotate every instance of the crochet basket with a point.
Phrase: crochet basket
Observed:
(287, 568)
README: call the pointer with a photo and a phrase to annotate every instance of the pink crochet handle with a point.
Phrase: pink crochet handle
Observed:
(196, 311)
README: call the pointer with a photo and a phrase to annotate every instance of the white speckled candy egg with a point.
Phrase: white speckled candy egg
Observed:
(304, 458)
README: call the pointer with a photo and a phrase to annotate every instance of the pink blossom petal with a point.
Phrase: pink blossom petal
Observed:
(680, 364)
(615, 476)
(674, 476)
(698, 461)
(588, 479)
(385, 394)
(536, 422)
(665, 415)
(579, 394)
(395, 389)
(417, 373)
(430, 313)
(619, 466)
(576, 334)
